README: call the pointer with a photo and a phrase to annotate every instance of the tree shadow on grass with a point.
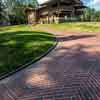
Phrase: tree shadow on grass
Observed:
(18, 48)
(75, 37)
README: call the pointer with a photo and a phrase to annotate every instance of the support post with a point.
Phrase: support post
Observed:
(58, 12)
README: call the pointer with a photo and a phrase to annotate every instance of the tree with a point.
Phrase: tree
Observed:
(1, 12)
(90, 15)
(15, 10)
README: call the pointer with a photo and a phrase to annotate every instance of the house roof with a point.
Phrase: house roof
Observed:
(75, 3)
(64, 1)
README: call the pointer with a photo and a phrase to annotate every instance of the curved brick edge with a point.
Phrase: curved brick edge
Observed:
(31, 62)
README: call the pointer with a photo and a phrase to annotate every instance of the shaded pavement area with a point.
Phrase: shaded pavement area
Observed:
(70, 72)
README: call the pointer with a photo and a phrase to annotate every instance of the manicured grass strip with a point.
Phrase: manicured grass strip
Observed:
(20, 47)
(74, 26)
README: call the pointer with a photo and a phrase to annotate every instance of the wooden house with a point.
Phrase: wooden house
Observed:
(55, 11)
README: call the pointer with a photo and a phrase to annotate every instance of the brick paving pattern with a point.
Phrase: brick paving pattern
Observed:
(70, 72)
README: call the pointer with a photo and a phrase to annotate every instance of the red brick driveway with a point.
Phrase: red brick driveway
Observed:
(70, 72)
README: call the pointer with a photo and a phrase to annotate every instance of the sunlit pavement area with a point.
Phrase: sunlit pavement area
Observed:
(70, 72)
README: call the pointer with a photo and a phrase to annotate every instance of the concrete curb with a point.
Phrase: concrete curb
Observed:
(31, 62)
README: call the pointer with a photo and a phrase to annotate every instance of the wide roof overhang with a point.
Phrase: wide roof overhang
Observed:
(64, 1)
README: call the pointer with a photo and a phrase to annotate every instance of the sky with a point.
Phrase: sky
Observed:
(91, 3)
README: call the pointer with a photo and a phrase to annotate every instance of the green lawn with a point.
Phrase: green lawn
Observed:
(20, 45)
(75, 26)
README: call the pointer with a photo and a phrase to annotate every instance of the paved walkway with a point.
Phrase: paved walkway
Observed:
(70, 72)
